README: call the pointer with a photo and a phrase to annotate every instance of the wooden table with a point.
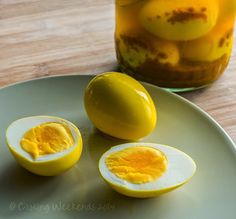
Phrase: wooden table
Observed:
(45, 37)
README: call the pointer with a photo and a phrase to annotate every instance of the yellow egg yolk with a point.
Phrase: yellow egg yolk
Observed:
(47, 138)
(137, 164)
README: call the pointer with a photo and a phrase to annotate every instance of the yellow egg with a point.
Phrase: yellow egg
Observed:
(178, 19)
(44, 145)
(120, 106)
(136, 50)
(145, 170)
(166, 52)
(214, 45)
(134, 53)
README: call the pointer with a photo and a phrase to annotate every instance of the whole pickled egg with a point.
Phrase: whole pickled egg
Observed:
(216, 44)
(120, 106)
(179, 20)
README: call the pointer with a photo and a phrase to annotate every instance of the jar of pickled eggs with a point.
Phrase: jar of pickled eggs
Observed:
(176, 44)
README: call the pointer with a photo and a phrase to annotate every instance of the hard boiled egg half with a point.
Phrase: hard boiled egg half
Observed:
(44, 145)
(144, 170)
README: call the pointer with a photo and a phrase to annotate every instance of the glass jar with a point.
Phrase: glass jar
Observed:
(176, 44)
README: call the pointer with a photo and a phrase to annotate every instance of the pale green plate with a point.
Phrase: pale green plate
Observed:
(81, 193)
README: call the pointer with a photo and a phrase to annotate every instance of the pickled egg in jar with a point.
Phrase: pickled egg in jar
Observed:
(176, 44)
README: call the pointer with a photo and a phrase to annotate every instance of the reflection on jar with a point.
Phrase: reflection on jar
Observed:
(174, 44)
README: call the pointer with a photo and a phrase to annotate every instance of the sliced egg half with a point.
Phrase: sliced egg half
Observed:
(144, 170)
(50, 163)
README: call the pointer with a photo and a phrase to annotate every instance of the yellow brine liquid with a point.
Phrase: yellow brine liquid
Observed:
(177, 44)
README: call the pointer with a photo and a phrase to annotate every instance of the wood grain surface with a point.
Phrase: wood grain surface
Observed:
(45, 37)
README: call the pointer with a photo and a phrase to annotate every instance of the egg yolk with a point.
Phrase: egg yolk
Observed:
(137, 164)
(47, 138)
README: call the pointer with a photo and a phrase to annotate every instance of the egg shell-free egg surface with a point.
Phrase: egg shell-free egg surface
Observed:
(120, 106)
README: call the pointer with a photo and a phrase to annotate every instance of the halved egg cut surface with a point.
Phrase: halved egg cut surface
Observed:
(47, 138)
(47, 162)
(145, 169)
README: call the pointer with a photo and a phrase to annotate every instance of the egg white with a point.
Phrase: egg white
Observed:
(180, 168)
(18, 128)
